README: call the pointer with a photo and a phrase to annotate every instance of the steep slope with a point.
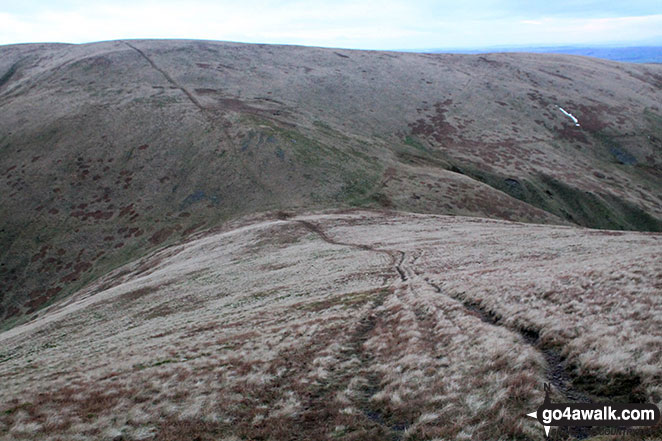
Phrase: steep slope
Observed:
(350, 326)
(109, 150)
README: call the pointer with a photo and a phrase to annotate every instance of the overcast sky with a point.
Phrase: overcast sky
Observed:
(383, 24)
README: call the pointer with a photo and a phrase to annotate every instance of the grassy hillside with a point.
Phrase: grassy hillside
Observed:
(110, 150)
(349, 325)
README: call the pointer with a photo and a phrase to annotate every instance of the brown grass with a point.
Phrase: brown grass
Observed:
(281, 139)
(314, 335)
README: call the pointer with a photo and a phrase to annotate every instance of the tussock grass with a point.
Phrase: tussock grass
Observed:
(267, 331)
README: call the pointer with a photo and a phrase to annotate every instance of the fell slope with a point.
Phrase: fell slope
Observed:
(110, 150)
(351, 326)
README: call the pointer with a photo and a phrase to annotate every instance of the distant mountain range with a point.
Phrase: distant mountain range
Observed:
(637, 54)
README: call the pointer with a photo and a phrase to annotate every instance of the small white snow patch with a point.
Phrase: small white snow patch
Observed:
(569, 115)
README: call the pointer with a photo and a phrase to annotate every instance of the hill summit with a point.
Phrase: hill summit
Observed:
(111, 150)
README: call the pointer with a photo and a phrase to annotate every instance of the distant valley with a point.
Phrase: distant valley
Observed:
(633, 54)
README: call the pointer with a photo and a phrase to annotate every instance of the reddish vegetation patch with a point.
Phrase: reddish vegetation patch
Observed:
(42, 253)
(133, 232)
(69, 277)
(35, 293)
(136, 294)
(126, 210)
(82, 266)
(85, 401)
(591, 117)
(149, 264)
(210, 326)
(173, 428)
(191, 229)
(573, 133)
(536, 96)
(421, 127)
(438, 127)
(39, 297)
(79, 267)
(161, 235)
(98, 214)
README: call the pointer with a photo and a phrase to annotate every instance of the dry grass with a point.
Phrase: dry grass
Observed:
(94, 174)
(250, 334)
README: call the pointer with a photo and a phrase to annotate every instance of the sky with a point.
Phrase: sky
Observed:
(367, 24)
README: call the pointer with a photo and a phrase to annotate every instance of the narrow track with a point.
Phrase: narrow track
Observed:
(396, 256)
(556, 371)
(165, 74)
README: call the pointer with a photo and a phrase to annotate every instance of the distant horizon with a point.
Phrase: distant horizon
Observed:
(651, 45)
(637, 53)
(549, 46)
(616, 45)
(352, 24)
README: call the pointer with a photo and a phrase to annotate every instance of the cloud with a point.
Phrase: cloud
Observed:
(387, 24)
(545, 31)
(594, 30)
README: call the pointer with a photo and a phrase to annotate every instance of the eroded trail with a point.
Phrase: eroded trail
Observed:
(397, 257)
(169, 78)
(556, 370)
(371, 380)
(347, 326)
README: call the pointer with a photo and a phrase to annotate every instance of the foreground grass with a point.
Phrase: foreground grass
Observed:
(349, 326)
